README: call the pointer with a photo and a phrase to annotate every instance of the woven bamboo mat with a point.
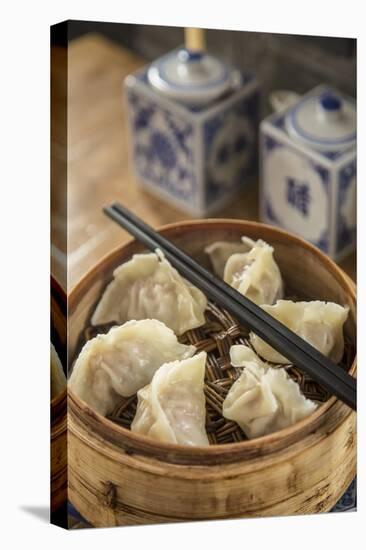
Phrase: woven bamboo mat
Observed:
(216, 336)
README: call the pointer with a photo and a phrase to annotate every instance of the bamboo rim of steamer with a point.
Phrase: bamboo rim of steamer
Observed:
(58, 295)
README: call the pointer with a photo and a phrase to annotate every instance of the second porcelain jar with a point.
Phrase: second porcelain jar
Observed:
(308, 169)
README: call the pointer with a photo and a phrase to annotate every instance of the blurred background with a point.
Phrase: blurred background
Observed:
(280, 61)
(90, 143)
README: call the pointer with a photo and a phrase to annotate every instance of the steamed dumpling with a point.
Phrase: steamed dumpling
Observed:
(254, 273)
(148, 287)
(122, 361)
(319, 323)
(172, 408)
(263, 400)
(220, 251)
(58, 378)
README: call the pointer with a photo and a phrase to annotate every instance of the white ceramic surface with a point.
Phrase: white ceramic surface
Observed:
(324, 122)
(308, 168)
(192, 78)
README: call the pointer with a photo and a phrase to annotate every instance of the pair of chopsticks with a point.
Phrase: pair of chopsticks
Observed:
(298, 351)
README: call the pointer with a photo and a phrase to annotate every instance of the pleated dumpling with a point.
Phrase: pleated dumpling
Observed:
(220, 251)
(319, 323)
(148, 287)
(254, 272)
(122, 361)
(58, 378)
(172, 408)
(263, 399)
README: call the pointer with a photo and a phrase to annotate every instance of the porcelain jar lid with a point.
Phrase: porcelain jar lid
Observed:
(192, 77)
(326, 121)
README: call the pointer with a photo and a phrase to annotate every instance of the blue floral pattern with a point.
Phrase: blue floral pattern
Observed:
(348, 502)
(196, 158)
(230, 142)
(296, 184)
(163, 148)
(346, 207)
(269, 143)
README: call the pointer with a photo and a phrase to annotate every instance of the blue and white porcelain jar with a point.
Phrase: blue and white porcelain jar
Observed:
(308, 169)
(193, 126)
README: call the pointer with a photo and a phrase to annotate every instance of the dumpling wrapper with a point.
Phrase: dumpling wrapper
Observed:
(319, 323)
(220, 251)
(254, 272)
(172, 408)
(58, 378)
(263, 399)
(119, 363)
(148, 287)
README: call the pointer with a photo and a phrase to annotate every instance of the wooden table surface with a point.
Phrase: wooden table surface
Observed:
(99, 171)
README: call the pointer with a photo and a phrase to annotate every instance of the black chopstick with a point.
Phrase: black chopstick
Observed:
(169, 248)
(297, 350)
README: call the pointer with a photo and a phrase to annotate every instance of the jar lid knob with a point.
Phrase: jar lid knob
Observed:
(186, 55)
(330, 102)
(324, 120)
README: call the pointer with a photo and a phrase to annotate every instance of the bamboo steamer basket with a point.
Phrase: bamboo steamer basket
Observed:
(58, 404)
(117, 477)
